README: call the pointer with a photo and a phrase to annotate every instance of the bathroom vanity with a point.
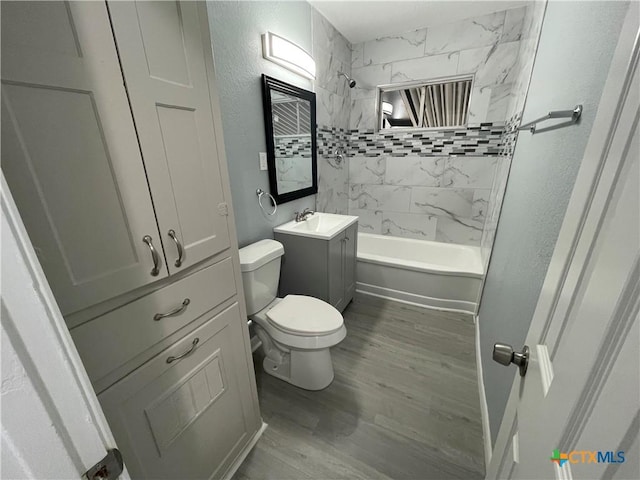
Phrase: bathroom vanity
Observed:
(320, 257)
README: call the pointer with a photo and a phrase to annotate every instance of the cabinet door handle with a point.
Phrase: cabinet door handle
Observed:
(175, 311)
(173, 236)
(154, 255)
(194, 344)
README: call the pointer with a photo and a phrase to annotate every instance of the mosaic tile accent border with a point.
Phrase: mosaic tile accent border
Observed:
(330, 138)
(484, 139)
(474, 140)
(510, 135)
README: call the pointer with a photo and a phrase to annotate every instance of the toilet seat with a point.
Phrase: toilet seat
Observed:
(305, 316)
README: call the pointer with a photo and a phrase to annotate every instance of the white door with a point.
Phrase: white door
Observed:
(164, 48)
(52, 424)
(70, 153)
(575, 412)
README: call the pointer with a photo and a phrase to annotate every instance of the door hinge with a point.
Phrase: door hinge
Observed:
(109, 468)
(223, 209)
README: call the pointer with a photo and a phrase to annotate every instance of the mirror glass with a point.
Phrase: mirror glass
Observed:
(427, 104)
(291, 143)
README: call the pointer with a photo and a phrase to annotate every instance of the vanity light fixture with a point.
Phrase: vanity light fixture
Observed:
(387, 108)
(289, 55)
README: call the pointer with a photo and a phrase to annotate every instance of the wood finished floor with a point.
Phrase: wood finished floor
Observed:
(404, 403)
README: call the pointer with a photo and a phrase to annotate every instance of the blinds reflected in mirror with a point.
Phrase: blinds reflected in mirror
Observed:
(291, 116)
(426, 105)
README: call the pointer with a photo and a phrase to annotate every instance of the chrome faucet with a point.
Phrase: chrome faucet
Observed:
(303, 216)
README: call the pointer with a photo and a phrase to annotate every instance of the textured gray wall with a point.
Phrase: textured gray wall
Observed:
(236, 29)
(574, 54)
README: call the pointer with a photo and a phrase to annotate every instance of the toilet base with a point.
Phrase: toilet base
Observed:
(309, 369)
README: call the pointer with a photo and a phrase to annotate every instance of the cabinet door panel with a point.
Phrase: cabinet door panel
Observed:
(189, 418)
(336, 272)
(350, 252)
(70, 153)
(161, 47)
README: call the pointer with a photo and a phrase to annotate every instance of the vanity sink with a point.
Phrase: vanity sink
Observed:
(318, 225)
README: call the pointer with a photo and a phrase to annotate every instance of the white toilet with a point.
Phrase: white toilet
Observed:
(296, 331)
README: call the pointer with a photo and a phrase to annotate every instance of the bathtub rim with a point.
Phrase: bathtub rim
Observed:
(420, 266)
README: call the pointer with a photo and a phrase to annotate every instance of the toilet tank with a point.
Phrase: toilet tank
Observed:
(260, 267)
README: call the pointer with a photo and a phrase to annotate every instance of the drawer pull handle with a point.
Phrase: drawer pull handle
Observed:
(194, 344)
(175, 311)
(172, 234)
(154, 255)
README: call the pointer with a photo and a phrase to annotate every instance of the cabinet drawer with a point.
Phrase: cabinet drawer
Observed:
(189, 418)
(113, 339)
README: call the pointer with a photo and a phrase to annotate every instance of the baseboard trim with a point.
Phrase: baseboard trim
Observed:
(238, 461)
(484, 409)
(414, 299)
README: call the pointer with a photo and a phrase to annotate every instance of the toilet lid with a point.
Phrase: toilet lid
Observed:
(304, 315)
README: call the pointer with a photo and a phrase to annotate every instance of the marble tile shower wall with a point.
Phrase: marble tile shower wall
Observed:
(432, 184)
(441, 198)
(429, 194)
(485, 46)
(532, 25)
(332, 53)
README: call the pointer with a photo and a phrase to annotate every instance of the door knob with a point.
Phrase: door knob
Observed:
(505, 355)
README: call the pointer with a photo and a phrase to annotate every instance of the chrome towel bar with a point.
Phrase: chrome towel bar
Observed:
(572, 115)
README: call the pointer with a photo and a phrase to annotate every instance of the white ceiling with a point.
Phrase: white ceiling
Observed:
(365, 20)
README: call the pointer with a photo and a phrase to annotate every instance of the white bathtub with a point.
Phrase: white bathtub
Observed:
(431, 274)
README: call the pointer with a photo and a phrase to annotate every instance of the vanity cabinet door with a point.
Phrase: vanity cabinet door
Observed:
(336, 277)
(70, 153)
(165, 51)
(349, 262)
(342, 267)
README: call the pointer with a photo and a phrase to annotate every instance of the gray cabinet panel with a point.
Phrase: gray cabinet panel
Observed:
(70, 153)
(304, 266)
(335, 272)
(350, 252)
(189, 418)
(163, 48)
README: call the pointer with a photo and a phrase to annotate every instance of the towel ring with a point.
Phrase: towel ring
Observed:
(260, 194)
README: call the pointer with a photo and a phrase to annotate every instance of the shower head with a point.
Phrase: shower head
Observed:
(352, 82)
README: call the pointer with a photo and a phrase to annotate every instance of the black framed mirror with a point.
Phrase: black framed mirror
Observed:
(290, 127)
